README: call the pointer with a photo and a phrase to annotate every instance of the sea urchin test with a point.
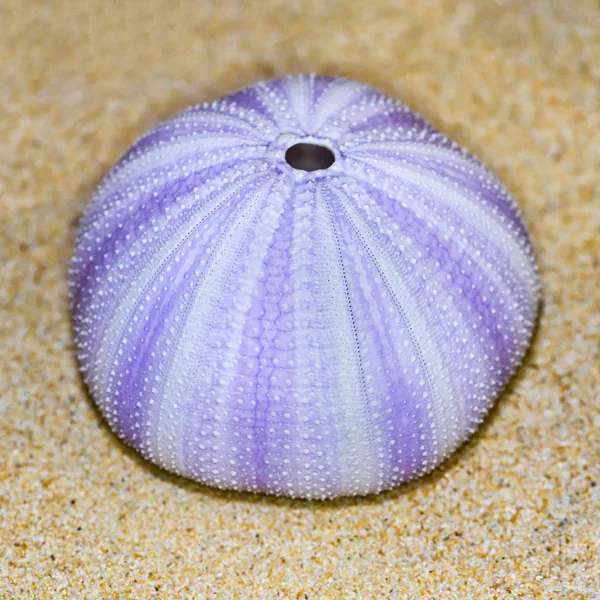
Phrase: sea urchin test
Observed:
(301, 289)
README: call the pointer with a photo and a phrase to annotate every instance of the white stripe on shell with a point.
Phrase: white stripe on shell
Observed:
(356, 452)
(336, 96)
(299, 93)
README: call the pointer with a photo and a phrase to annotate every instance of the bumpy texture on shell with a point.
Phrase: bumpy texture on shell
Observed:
(312, 334)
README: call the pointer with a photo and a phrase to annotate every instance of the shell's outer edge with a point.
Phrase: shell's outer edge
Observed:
(310, 334)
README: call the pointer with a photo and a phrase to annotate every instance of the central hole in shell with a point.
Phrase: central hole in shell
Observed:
(309, 157)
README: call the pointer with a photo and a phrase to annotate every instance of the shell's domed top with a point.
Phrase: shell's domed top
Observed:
(301, 289)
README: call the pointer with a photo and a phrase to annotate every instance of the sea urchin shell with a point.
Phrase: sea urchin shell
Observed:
(301, 289)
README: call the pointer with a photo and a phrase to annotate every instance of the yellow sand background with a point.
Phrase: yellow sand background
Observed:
(515, 514)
